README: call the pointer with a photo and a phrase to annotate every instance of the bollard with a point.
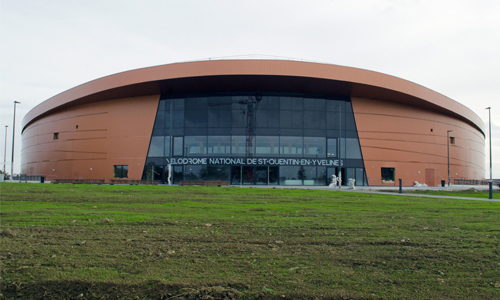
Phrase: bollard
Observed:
(400, 185)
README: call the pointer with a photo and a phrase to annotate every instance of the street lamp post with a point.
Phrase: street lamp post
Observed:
(170, 177)
(13, 138)
(5, 150)
(448, 143)
(339, 178)
(491, 165)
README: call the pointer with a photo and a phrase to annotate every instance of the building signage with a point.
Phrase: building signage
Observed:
(255, 161)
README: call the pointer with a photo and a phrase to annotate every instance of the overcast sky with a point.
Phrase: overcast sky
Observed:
(49, 46)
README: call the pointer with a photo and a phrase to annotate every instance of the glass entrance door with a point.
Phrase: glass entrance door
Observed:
(273, 175)
(235, 175)
(248, 175)
(261, 175)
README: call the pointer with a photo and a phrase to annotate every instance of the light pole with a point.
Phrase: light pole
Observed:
(170, 177)
(448, 142)
(339, 178)
(5, 150)
(491, 166)
(13, 138)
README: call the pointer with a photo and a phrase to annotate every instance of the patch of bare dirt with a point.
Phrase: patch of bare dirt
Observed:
(87, 290)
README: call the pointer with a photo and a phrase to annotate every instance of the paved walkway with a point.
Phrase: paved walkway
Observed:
(392, 191)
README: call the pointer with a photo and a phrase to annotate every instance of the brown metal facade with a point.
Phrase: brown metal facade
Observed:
(86, 141)
(414, 141)
(83, 132)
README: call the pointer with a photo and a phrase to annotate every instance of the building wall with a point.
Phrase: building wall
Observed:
(91, 139)
(414, 142)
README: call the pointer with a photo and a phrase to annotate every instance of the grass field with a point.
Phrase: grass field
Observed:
(469, 193)
(150, 242)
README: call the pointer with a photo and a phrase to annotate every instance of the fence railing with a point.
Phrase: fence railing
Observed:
(469, 182)
(132, 181)
(24, 177)
(84, 181)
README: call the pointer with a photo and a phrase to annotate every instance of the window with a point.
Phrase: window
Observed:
(452, 140)
(56, 135)
(219, 145)
(267, 145)
(195, 172)
(314, 147)
(156, 148)
(238, 146)
(352, 148)
(332, 148)
(178, 146)
(388, 175)
(360, 176)
(195, 145)
(291, 146)
(120, 171)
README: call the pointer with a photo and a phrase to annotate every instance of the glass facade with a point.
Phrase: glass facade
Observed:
(255, 139)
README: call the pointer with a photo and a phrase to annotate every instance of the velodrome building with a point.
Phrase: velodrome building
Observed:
(253, 122)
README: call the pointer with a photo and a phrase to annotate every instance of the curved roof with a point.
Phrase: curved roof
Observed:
(261, 74)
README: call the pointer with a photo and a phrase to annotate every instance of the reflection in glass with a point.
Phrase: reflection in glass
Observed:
(297, 103)
(291, 175)
(195, 145)
(217, 173)
(286, 119)
(158, 173)
(219, 118)
(177, 114)
(160, 119)
(267, 146)
(167, 146)
(332, 148)
(200, 103)
(248, 175)
(297, 119)
(124, 171)
(314, 147)
(273, 175)
(236, 175)
(238, 145)
(360, 175)
(219, 145)
(195, 172)
(314, 175)
(287, 127)
(156, 147)
(153, 172)
(178, 146)
(120, 171)
(352, 149)
(195, 118)
(291, 146)
(178, 174)
(261, 175)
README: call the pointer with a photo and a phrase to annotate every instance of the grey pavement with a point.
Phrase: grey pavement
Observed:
(392, 190)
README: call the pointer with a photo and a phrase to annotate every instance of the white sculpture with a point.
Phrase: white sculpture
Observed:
(334, 181)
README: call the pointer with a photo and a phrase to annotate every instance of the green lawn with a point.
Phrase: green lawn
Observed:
(464, 193)
(65, 241)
